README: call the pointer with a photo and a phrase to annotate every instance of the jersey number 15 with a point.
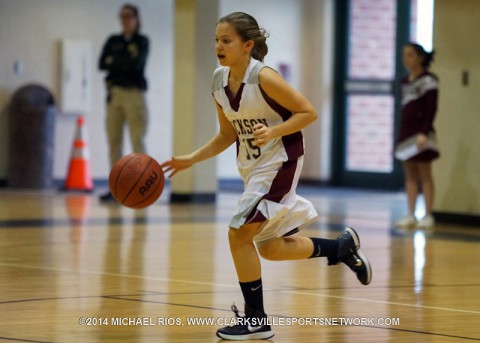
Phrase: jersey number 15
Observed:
(252, 149)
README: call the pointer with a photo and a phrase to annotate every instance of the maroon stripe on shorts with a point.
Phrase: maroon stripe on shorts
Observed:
(281, 185)
(293, 143)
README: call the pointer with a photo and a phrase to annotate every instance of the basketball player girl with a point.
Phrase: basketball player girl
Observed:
(259, 111)
(419, 106)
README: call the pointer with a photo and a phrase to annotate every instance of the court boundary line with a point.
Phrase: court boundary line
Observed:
(23, 340)
(193, 282)
(67, 223)
(124, 297)
(282, 316)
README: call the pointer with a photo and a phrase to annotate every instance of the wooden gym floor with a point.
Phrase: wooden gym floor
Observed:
(66, 260)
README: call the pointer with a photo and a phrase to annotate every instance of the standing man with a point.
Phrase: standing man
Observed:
(123, 58)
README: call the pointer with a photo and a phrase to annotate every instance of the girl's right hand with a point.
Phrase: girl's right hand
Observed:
(177, 164)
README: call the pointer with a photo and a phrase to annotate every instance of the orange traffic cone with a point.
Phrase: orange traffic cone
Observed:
(79, 176)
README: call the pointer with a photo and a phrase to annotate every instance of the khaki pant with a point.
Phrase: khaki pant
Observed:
(126, 106)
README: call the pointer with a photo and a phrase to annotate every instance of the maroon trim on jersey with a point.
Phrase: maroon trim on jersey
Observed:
(293, 143)
(281, 185)
(234, 100)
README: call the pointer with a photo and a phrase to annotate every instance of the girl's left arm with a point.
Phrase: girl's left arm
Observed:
(431, 99)
(286, 96)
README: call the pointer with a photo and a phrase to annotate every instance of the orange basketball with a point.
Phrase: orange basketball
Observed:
(136, 180)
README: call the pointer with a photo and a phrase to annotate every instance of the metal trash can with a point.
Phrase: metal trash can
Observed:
(31, 136)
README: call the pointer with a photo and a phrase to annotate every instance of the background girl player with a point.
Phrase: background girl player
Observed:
(419, 105)
(264, 115)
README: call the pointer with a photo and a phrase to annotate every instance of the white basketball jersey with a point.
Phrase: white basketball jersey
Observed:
(249, 107)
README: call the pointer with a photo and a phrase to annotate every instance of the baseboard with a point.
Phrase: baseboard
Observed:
(59, 183)
(97, 183)
(457, 218)
(226, 185)
(314, 182)
(236, 185)
(230, 185)
(189, 198)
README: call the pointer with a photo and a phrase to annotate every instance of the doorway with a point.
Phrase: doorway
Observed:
(369, 36)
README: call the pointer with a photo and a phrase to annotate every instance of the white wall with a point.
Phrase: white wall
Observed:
(317, 84)
(195, 118)
(301, 35)
(457, 172)
(31, 31)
